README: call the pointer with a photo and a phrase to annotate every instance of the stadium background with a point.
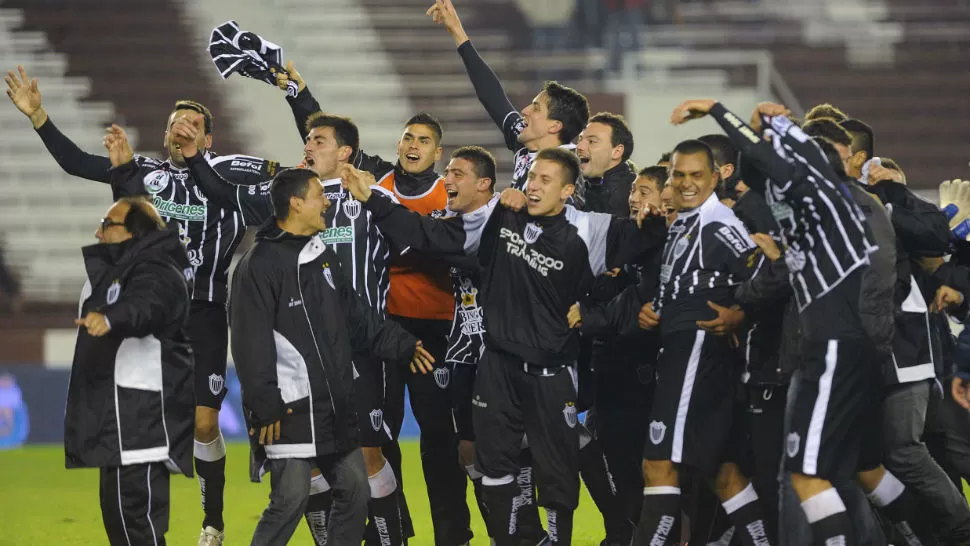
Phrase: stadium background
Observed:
(900, 65)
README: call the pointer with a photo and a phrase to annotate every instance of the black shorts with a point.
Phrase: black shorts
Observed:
(835, 413)
(693, 401)
(462, 390)
(209, 336)
(369, 394)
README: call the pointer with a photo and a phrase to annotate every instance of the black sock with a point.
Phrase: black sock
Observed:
(745, 512)
(385, 518)
(900, 507)
(392, 453)
(480, 498)
(500, 499)
(830, 522)
(526, 508)
(317, 513)
(602, 489)
(211, 469)
(560, 525)
(660, 516)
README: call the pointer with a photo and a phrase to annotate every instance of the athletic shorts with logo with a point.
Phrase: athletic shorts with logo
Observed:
(512, 399)
(690, 421)
(369, 394)
(208, 333)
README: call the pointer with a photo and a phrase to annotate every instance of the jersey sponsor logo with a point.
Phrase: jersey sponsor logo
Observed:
(338, 235)
(732, 240)
(156, 181)
(477, 402)
(113, 292)
(336, 195)
(352, 209)
(179, 211)
(569, 414)
(245, 165)
(532, 232)
(657, 432)
(376, 419)
(263, 188)
(294, 303)
(442, 377)
(181, 176)
(517, 246)
(793, 444)
(216, 384)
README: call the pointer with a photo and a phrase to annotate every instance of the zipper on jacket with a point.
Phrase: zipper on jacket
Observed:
(313, 336)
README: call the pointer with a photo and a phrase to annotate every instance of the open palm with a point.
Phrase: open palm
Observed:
(23, 91)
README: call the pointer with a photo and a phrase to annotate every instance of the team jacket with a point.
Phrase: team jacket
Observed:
(295, 320)
(533, 268)
(130, 399)
(421, 287)
(707, 255)
(209, 233)
(611, 192)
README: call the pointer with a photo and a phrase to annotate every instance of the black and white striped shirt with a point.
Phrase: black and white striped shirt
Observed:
(466, 342)
(822, 227)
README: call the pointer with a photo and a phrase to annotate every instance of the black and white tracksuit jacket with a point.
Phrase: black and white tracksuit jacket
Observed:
(295, 320)
(130, 399)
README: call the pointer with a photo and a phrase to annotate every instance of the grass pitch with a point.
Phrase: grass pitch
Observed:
(43, 503)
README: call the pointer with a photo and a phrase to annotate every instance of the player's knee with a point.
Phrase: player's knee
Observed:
(729, 481)
(660, 473)
(869, 479)
(373, 459)
(807, 487)
(206, 424)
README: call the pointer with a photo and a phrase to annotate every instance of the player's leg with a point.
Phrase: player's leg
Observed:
(742, 505)
(766, 418)
(347, 475)
(318, 505)
(601, 483)
(135, 503)
(289, 490)
(462, 391)
(394, 417)
(208, 332)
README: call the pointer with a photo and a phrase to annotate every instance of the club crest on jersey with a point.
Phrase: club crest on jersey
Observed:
(352, 208)
(376, 419)
(442, 376)
(328, 275)
(569, 413)
(794, 259)
(216, 383)
(113, 292)
(681, 246)
(657, 432)
(156, 181)
(792, 444)
(437, 213)
(532, 232)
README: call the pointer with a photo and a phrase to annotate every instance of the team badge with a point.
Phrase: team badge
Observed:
(113, 292)
(156, 181)
(680, 247)
(376, 419)
(532, 232)
(657, 432)
(329, 276)
(569, 413)
(794, 259)
(216, 383)
(792, 444)
(352, 209)
(442, 376)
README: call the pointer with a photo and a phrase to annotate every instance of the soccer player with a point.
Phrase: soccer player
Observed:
(210, 235)
(536, 263)
(554, 118)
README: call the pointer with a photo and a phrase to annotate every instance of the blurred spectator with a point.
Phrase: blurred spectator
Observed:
(621, 34)
(9, 287)
(551, 23)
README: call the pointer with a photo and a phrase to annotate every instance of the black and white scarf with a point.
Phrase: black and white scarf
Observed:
(235, 51)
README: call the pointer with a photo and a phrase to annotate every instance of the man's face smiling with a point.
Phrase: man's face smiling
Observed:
(462, 184)
(692, 178)
(418, 149)
(536, 122)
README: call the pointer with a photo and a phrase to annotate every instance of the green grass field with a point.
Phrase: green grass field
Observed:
(43, 503)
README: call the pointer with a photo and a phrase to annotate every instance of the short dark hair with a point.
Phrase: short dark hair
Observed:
(289, 183)
(429, 121)
(566, 159)
(725, 152)
(187, 104)
(656, 172)
(832, 155)
(141, 218)
(694, 146)
(665, 157)
(826, 110)
(483, 162)
(345, 131)
(567, 106)
(621, 133)
(828, 129)
(862, 137)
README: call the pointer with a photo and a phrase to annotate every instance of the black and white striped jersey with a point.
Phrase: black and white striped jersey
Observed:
(822, 227)
(466, 342)
(708, 253)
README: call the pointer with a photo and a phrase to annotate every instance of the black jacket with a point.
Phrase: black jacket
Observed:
(295, 320)
(131, 399)
(611, 192)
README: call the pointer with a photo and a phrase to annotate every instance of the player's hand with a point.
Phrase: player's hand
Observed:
(269, 433)
(184, 133)
(513, 199)
(422, 361)
(118, 146)
(648, 318)
(691, 109)
(946, 299)
(25, 95)
(356, 181)
(443, 13)
(613, 273)
(574, 317)
(646, 211)
(767, 245)
(291, 75)
(728, 320)
(878, 173)
(960, 389)
(769, 109)
(95, 323)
